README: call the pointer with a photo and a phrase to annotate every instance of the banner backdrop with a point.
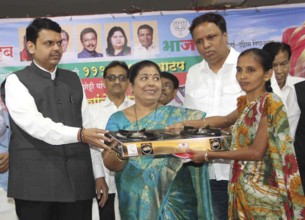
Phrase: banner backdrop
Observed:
(174, 49)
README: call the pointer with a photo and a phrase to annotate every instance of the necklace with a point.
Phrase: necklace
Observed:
(135, 112)
(250, 103)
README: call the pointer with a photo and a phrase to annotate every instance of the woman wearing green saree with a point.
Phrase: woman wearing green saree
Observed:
(156, 187)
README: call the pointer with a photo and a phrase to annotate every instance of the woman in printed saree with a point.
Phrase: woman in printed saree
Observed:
(156, 187)
(265, 182)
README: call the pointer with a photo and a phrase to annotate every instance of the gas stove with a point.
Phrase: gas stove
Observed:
(180, 142)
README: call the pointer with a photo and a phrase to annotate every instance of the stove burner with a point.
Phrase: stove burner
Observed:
(200, 132)
(141, 135)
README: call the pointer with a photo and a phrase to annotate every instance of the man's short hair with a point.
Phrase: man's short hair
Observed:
(39, 24)
(66, 33)
(114, 64)
(210, 17)
(145, 26)
(273, 48)
(86, 31)
(171, 77)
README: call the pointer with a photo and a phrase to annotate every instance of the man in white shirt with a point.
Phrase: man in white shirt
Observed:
(146, 47)
(170, 84)
(116, 83)
(51, 175)
(211, 87)
(282, 82)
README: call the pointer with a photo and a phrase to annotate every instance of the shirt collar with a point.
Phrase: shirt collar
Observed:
(52, 73)
(230, 60)
(275, 86)
(151, 47)
(89, 53)
(107, 101)
(288, 82)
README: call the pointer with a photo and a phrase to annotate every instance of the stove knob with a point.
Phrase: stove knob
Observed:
(215, 144)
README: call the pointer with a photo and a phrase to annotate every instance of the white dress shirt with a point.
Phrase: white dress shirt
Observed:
(215, 94)
(289, 97)
(24, 112)
(100, 113)
(140, 51)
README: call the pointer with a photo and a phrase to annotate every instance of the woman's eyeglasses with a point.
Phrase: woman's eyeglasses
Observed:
(112, 78)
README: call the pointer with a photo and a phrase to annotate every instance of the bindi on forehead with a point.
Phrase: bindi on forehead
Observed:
(149, 74)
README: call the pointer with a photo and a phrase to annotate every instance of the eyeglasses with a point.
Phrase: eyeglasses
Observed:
(113, 78)
(168, 86)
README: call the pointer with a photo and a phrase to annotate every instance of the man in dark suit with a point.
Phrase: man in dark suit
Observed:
(299, 141)
(51, 175)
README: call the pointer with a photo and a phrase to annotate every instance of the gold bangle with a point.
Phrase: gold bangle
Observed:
(206, 156)
(82, 136)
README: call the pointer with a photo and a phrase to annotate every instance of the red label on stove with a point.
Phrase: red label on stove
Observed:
(183, 145)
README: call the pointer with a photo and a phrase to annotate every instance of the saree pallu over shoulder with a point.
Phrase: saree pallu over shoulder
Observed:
(270, 188)
(201, 184)
(161, 187)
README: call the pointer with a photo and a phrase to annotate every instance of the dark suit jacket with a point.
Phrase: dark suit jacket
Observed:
(40, 171)
(299, 141)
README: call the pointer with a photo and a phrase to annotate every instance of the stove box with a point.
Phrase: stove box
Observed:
(180, 142)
